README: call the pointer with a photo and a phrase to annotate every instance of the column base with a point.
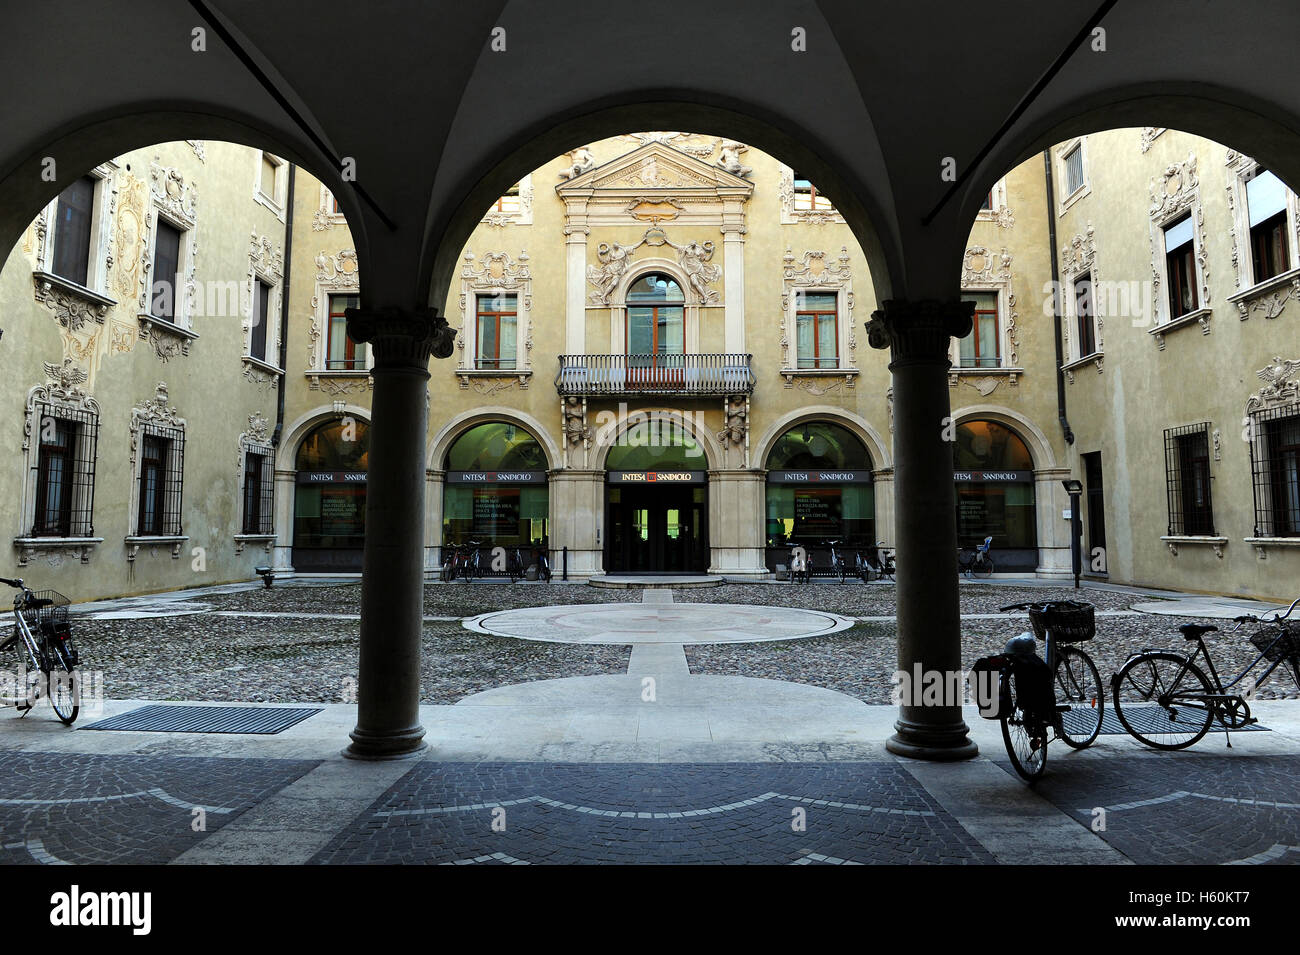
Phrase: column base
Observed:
(403, 744)
(943, 742)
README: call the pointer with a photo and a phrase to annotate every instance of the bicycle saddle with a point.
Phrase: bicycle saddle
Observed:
(1194, 631)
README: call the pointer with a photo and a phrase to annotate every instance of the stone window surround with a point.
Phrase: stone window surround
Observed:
(336, 274)
(516, 279)
(1059, 154)
(325, 216)
(1250, 295)
(836, 279)
(57, 396)
(1187, 202)
(265, 264)
(991, 279)
(101, 242)
(253, 441)
(1078, 259)
(790, 215)
(276, 203)
(145, 413)
(998, 212)
(525, 214)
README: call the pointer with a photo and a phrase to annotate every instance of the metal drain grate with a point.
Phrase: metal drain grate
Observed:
(1145, 719)
(253, 720)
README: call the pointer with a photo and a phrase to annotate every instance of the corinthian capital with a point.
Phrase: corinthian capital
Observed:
(919, 332)
(402, 337)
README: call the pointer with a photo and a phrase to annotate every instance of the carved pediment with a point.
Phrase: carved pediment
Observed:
(655, 165)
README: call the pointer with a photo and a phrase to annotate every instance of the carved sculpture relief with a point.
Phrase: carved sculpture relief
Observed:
(522, 216)
(982, 270)
(729, 160)
(337, 273)
(1079, 258)
(70, 310)
(735, 414)
(1281, 379)
(1149, 133)
(496, 271)
(816, 273)
(576, 432)
(580, 160)
(1272, 301)
(694, 258)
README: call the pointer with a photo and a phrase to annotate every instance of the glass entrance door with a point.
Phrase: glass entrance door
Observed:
(656, 530)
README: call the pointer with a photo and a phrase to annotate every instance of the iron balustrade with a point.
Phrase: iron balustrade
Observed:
(655, 374)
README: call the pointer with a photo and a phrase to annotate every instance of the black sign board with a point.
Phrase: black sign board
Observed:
(658, 477)
(818, 477)
(331, 477)
(993, 477)
(496, 477)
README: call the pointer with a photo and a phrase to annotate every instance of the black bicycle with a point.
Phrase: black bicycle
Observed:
(800, 564)
(47, 658)
(976, 562)
(543, 562)
(1166, 701)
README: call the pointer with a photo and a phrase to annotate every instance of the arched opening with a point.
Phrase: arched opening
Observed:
(496, 492)
(819, 489)
(994, 474)
(656, 500)
(329, 507)
(655, 339)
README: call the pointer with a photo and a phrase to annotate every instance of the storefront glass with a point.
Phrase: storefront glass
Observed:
(994, 474)
(496, 491)
(329, 513)
(819, 489)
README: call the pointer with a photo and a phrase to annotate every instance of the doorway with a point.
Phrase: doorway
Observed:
(657, 529)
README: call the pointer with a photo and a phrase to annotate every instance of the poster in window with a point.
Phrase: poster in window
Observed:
(496, 512)
(817, 512)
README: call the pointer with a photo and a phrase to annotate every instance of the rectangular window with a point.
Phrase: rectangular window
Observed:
(64, 467)
(72, 220)
(987, 204)
(342, 353)
(1266, 207)
(1187, 480)
(1083, 313)
(817, 331)
(497, 317)
(259, 489)
(1074, 170)
(510, 201)
(1180, 268)
(261, 316)
(982, 348)
(166, 268)
(1275, 469)
(807, 198)
(1092, 479)
(269, 170)
(162, 465)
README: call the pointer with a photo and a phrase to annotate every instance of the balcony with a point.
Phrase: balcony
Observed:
(655, 375)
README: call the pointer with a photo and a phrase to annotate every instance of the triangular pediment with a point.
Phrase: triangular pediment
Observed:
(654, 167)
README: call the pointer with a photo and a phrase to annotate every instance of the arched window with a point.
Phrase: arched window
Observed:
(819, 488)
(496, 487)
(655, 319)
(342, 445)
(994, 474)
(329, 511)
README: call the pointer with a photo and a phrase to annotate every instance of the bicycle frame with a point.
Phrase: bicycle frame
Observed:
(34, 655)
(1221, 694)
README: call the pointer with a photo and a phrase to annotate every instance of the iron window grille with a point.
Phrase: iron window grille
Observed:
(1275, 470)
(162, 472)
(259, 489)
(1187, 480)
(64, 471)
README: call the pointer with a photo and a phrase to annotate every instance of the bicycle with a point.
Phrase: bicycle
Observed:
(862, 567)
(543, 562)
(838, 563)
(1062, 693)
(1186, 702)
(884, 561)
(515, 565)
(979, 563)
(41, 625)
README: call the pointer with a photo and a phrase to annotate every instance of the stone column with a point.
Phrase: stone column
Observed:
(737, 523)
(929, 618)
(392, 576)
(284, 494)
(1050, 501)
(733, 283)
(433, 542)
(883, 489)
(577, 518)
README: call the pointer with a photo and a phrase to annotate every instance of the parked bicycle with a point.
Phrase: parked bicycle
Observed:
(839, 566)
(1060, 697)
(1163, 699)
(884, 561)
(543, 562)
(47, 659)
(976, 562)
(462, 560)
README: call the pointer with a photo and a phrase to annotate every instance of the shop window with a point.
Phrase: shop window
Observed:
(1187, 480)
(496, 491)
(994, 475)
(329, 510)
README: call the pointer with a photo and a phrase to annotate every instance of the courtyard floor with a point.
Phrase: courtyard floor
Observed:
(744, 723)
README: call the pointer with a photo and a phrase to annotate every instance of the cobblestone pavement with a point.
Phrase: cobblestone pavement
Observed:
(76, 808)
(305, 660)
(1186, 808)
(639, 813)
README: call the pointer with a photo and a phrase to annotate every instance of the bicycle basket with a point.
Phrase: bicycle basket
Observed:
(50, 615)
(1070, 621)
(1278, 643)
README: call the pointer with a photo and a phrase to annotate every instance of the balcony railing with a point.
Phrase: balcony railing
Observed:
(655, 374)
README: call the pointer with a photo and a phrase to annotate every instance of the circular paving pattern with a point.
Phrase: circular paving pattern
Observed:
(634, 623)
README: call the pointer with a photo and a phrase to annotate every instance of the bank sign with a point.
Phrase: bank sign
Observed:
(331, 477)
(496, 477)
(818, 477)
(993, 477)
(658, 477)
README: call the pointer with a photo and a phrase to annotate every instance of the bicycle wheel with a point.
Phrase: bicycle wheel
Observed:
(982, 566)
(1078, 686)
(448, 570)
(1026, 741)
(844, 570)
(1156, 700)
(61, 684)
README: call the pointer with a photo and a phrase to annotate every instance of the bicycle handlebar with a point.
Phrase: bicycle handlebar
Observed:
(15, 582)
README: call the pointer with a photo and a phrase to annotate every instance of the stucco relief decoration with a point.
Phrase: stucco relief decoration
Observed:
(130, 236)
(71, 311)
(815, 271)
(155, 410)
(982, 269)
(729, 159)
(1149, 134)
(1281, 380)
(654, 209)
(791, 215)
(1078, 258)
(497, 271)
(337, 273)
(576, 431)
(496, 217)
(63, 388)
(1174, 192)
(735, 410)
(580, 160)
(1272, 302)
(199, 148)
(689, 143)
(615, 259)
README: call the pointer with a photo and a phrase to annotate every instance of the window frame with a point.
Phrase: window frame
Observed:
(481, 362)
(1184, 474)
(816, 314)
(1242, 169)
(1265, 471)
(278, 201)
(1062, 152)
(71, 404)
(349, 346)
(101, 240)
